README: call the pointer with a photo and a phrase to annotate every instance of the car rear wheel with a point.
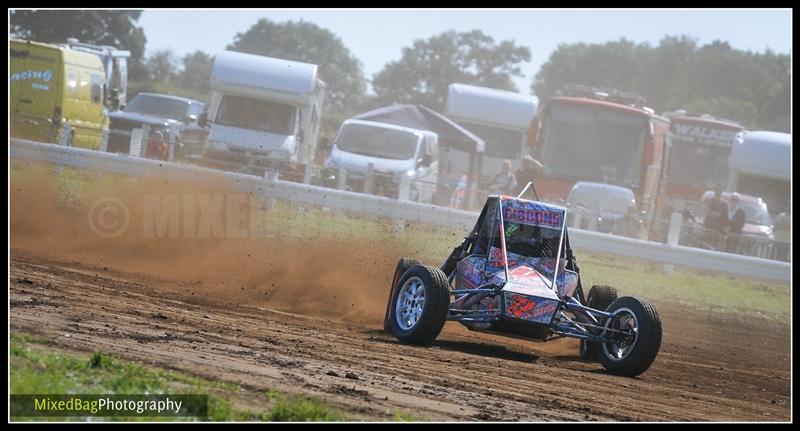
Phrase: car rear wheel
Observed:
(600, 297)
(420, 305)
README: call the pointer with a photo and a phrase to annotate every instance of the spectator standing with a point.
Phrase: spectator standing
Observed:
(504, 182)
(734, 222)
(783, 232)
(715, 217)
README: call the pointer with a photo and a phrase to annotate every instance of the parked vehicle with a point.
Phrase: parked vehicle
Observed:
(515, 275)
(604, 208)
(460, 151)
(56, 95)
(261, 112)
(393, 151)
(757, 219)
(757, 237)
(115, 63)
(501, 118)
(172, 118)
(761, 166)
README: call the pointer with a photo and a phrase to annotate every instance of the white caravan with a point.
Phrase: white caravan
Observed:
(262, 111)
(760, 166)
(500, 118)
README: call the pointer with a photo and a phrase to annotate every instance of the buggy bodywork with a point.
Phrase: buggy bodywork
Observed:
(515, 275)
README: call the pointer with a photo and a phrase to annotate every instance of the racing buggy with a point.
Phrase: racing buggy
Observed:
(515, 275)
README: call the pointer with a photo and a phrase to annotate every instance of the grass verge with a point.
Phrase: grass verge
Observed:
(37, 369)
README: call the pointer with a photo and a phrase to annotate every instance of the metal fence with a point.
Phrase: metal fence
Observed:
(695, 235)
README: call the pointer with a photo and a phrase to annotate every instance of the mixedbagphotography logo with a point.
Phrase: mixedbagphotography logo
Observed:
(180, 216)
(109, 217)
(100, 405)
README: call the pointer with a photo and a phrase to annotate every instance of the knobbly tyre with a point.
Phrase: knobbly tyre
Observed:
(515, 275)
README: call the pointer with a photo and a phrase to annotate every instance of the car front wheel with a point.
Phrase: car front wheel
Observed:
(420, 305)
(633, 337)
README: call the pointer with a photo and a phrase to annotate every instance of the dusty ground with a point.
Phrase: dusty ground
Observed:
(705, 370)
(272, 313)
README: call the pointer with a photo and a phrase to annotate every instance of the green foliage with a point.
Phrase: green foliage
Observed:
(404, 417)
(104, 27)
(164, 76)
(748, 87)
(300, 409)
(36, 369)
(100, 360)
(426, 69)
(307, 42)
(162, 66)
(196, 72)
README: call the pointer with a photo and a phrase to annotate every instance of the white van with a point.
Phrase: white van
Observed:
(394, 152)
(262, 111)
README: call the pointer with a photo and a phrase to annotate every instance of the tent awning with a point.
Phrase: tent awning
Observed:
(451, 135)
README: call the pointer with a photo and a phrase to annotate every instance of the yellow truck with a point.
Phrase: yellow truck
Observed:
(57, 95)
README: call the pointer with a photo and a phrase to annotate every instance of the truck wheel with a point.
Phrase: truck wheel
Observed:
(421, 303)
(402, 266)
(632, 353)
(600, 297)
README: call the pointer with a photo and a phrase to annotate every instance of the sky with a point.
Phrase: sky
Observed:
(377, 37)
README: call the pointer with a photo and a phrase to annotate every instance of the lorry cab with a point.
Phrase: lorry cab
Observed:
(393, 151)
(262, 110)
(53, 89)
(115, 62)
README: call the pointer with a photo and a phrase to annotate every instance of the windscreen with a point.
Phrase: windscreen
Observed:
(254, 114)
(755, 213)
(593, 144)
(158, 106)
(531, 240)
(531, 237)
(377, 141)
(698, 165)
(601, 200)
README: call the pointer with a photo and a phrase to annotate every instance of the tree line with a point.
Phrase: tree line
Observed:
(748, 87)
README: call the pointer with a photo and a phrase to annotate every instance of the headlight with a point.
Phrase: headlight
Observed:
(410, 173)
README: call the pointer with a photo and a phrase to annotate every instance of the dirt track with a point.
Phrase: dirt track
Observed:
(702, 372)
(299, 317)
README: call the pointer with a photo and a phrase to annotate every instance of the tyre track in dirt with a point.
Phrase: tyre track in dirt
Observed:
(700, 373)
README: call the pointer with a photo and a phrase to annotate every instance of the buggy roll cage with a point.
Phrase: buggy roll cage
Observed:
(465, 248)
